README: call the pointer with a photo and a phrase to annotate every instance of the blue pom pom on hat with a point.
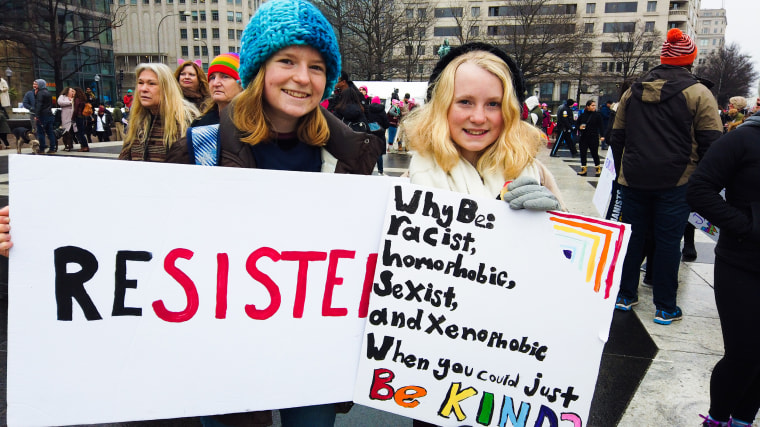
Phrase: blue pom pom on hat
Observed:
(282, 23)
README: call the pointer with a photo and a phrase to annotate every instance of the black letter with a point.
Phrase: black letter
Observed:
(121, 283)
(71, 285)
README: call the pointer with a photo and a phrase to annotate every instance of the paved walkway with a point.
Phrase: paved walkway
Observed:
(639, 384)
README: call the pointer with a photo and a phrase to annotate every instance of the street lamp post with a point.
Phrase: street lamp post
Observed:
(158, 33)
(208, 58)
(97, 82)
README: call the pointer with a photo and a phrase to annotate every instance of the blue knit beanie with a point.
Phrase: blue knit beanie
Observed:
(282, 23)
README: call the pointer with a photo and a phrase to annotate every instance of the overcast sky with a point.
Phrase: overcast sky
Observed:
(743, 18)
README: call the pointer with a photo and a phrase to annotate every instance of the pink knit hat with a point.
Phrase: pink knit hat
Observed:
(375, 100)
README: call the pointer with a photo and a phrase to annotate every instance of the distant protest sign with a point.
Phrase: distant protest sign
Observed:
(145, 291)
(476, 319)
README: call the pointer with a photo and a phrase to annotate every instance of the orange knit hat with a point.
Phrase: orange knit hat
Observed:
(678, 49)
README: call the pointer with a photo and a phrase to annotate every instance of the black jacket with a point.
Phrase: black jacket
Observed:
(593, 122)
(733, 163)
(43, 103)
(565, 119)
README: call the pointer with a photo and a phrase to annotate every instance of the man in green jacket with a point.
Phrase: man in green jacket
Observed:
(664, 124)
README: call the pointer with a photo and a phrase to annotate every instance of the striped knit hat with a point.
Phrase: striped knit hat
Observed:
(227, 63)
(678, 49)
(282, 23)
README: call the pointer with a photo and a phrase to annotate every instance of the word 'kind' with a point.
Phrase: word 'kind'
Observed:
(69, 286)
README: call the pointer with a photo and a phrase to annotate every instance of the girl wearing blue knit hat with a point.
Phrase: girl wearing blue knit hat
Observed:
(289, 62)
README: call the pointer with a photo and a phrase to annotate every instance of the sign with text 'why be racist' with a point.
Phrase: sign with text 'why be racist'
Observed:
(476, 318)
(158, 291)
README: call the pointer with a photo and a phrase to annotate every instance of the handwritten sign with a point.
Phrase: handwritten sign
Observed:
(476, 319)
(160, 291)
(604, 185)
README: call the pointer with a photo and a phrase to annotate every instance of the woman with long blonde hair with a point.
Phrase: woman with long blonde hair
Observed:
(469, 136)
(158, 119)
(194, 84)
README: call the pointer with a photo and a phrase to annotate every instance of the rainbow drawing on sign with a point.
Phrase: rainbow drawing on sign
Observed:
(592, 245)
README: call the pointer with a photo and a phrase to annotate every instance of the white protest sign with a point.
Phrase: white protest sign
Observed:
(604, 185)
(156, 291)
(475, 317)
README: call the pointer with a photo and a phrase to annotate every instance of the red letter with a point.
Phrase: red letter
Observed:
(274, 291)
(333, 281)
(369, 275)
(303, 259)
(380, 384)
(222, 274)
(187, 285)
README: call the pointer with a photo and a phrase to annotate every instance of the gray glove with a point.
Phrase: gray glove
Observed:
(527, 193)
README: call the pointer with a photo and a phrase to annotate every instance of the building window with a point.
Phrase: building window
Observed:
(589, 28)
(146, 1)
(604, 67)
(621, 7)
(448, 12)
(183, 33)
(649, 26)
(217, 50)
(619, 27)
(420, 50)
(204, 34)
(421, 13)
(203, 15)
(421, 33)
(408, 50)
(475, 11)
(214, 15)
(215, 33)
(645, 66)
(648, 46)
(182, 17)
(704, 42)
(204, 50)
(238, 16)
(705, 31)
(185, 52)
(651, 6)
(590, 7)
(157, 1)
(197, 51)
(194, 15)
(420, 68)
(409, 13)
(231, 48)
(446, 31)
(610, 47)
(231, 34)
(195, 33)
(475, 31)
(230, 16)
(239, 34)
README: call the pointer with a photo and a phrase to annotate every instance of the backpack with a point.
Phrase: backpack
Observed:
(87, 111)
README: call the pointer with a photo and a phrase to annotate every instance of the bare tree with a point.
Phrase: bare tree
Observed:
(731, 71)
(541, 35)
(468, 20)
(633, 50)
(371, 33)
(56, 29)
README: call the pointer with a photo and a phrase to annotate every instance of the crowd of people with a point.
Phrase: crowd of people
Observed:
(284, 103)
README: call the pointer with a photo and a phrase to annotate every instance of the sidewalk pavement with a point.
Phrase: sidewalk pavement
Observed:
(639, 384)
